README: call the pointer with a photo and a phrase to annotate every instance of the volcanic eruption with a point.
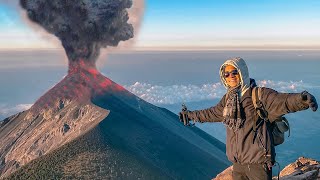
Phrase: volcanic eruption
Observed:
(83, 27)
(126, 135)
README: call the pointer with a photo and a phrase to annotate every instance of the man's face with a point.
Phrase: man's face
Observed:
(231, 76)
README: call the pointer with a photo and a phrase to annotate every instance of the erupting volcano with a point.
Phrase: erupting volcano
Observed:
(89, 127)
(83, 27)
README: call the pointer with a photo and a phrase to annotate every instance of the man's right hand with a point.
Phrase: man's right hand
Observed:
(181, 116)
(309, 99)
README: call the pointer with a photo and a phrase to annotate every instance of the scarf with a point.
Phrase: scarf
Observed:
(233, 113)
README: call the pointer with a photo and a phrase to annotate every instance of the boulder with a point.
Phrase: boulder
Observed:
(302, 169)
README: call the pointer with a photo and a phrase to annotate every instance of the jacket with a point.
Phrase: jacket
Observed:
(246, 146)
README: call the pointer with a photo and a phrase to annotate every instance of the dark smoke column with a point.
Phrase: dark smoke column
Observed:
(83, 26)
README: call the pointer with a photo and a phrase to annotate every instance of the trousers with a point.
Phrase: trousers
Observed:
(251, 172)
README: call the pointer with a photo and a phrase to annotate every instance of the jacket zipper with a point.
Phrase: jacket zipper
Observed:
(237, 157)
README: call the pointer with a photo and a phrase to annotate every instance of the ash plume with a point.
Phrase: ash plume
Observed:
(83, 26)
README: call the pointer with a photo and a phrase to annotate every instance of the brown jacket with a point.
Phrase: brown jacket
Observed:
(246, 147)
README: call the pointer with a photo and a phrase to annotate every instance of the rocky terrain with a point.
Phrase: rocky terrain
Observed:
(27, 137)
(302, 169)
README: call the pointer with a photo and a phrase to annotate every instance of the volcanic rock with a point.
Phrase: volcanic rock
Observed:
(27, 136)
(225, 175)
(302, 169)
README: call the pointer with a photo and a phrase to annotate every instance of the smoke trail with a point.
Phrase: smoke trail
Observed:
(12, 3)
(83, 26)
(136, 13)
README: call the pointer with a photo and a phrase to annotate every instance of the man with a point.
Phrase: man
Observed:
(251, 152)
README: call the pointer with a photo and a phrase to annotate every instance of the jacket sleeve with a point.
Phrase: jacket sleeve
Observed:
(212, 114)
(278, 104)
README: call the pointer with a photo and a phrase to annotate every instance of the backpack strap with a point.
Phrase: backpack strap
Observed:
(259, 107)
(256, 99)
(287, 123)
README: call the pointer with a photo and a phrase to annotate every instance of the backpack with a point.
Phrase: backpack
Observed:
(278, 127)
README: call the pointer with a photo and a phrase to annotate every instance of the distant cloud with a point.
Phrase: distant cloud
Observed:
(156, 94)
(176, 93)
(187, 93)
(282, 86)
(6, 111)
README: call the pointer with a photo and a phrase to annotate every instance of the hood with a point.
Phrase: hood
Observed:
(241, 66)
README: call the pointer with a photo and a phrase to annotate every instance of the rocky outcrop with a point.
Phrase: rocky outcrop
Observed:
(302, 169)
(225, 175)
(29, 136)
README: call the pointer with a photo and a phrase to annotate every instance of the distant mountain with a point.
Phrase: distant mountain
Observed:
(88, 127)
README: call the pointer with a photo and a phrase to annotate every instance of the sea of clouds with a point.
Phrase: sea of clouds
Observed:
(162, 95)
(156, 94)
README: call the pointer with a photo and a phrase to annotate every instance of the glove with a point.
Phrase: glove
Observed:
(183, 116)
(310, 100)
(184, 111)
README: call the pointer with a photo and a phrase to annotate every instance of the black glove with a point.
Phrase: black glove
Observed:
(310, 100)
(183, 115)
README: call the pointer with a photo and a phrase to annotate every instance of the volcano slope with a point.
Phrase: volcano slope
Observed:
(99, 130)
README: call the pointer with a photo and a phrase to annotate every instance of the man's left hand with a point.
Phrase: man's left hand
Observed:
(310, 100)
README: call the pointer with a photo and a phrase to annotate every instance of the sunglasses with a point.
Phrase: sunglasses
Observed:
(233, 72)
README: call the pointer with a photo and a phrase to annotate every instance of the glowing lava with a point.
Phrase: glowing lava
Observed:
(82, 83)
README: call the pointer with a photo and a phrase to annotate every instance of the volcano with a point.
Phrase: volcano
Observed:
(87, 126)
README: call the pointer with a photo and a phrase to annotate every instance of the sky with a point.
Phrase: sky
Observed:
(199, 24)
(170, 25)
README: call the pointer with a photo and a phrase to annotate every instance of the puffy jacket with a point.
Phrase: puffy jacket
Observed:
(245, 146)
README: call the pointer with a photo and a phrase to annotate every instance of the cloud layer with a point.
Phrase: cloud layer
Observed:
(156, 94)
(7, 111)
(173, 94)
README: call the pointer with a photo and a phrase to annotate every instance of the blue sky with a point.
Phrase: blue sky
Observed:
(201, 23)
